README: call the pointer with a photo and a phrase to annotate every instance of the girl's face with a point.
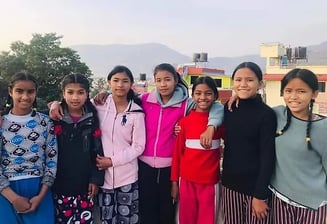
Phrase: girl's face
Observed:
(165, 84)
(75, 96)
(120, 84)
(23, 94)
(297, 96)
(203, 96)
(246, 83)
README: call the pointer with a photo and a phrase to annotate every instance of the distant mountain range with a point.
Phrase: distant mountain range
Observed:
(142, 58)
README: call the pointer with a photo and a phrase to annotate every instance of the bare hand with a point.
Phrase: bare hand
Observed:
(21, 204)
(103, 162)
(56, 112)
(206, 137)
(93, 189)
(34, 201)
(177, 129)
(231, 100)
(100, 98)
(174, 191)
(259, 208)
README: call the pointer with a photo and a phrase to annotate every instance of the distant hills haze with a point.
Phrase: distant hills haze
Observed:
(142, 58)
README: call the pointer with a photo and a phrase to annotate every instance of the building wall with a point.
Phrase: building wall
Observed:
(273, 98)
(272, 91)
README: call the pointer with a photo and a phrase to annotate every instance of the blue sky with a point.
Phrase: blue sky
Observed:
(221, 28)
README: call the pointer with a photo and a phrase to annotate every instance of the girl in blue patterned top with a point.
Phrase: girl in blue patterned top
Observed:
(28, 159)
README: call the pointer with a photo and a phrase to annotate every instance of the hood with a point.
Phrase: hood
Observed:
(180, 95)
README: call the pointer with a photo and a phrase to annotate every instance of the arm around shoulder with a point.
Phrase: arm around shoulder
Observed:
(216, 114)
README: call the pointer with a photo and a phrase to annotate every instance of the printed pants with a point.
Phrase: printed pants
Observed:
(71, 210)
(236, 208)
(119, 205)
(284, 213)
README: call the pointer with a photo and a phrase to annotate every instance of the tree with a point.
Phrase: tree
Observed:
(98, 85)
(46, 60)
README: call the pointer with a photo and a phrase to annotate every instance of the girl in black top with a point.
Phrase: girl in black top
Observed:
(249, 154)
(79, 143)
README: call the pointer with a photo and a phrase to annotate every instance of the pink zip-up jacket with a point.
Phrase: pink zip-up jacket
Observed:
(160, 122)
(123, 140)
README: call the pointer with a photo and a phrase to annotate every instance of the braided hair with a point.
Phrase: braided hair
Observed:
(76, 78)
(123, 69)
(311, 80)
(19, 76)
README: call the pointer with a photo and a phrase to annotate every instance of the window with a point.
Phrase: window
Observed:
(322, 87)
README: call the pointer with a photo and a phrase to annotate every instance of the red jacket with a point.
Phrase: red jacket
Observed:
(190, 161)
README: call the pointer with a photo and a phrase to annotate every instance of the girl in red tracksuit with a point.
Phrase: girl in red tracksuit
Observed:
(196, 167)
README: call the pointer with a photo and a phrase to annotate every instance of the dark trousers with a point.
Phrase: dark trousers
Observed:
(156, 204)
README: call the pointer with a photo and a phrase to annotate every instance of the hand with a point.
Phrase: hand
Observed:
(21, 204)
(103, 162)
(56, 112)
(177, 129)
(231, 100)
(206, 137)
(100, 98)
(259, 208)
(34, 201)
(93, 190)
(174, 191)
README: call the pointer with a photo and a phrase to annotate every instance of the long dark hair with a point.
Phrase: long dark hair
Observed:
(19, 76)
(311, 80)
(123, 69)
(76, 78)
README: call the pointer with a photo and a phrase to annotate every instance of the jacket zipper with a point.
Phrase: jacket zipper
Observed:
(157, 137)
(113, 151)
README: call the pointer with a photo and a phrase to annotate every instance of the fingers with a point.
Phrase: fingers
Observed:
(205, 142)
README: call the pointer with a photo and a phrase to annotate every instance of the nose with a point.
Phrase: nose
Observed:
(293, 95)
(243, 83)
(75, 96)
(162, 83)
(25, 95)
(120, 83)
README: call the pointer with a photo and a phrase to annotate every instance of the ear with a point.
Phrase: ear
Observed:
(261, 85)
(315, 94)
(10, 91)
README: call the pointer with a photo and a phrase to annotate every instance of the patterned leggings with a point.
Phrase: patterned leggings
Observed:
(119, 205)
(71, 210)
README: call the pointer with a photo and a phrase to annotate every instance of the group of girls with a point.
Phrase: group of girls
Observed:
(275, 159)
(124, 151)
(274, 168)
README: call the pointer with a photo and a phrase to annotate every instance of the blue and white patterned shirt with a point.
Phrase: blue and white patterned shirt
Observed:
(29, 149)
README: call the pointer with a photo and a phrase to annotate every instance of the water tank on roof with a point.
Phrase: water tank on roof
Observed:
(203, 57)
(196, 57)
(142, 76)
(284, 60)
(289, 53)
(300, 53)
